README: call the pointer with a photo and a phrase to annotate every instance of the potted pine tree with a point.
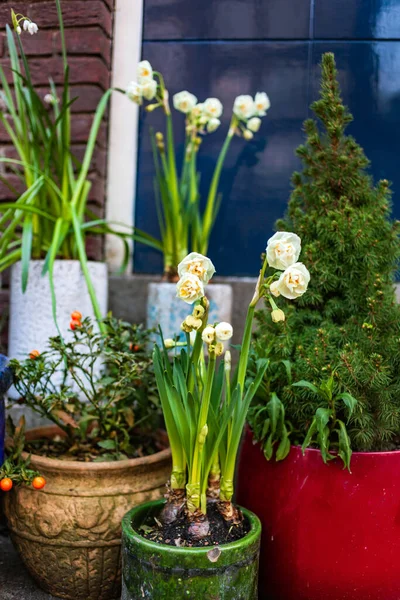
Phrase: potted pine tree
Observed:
(199, 543)
(331, 530)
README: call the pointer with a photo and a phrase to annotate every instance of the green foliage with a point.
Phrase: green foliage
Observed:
(345, 332)
(104, 416)
(50, 219)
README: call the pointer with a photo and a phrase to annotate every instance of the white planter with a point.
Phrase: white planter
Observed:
(31, 319)
(168, 311)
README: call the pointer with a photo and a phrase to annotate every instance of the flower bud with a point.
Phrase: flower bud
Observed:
(192, 322)
(159, 136)
(185, 327)
(169, 343)
(198, 311)
(277, 315)
(151, 107)
(219, 349)
(203, 434)
(247, 135)
(227, 360)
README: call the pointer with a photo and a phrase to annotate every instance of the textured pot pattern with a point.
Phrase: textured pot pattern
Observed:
(327, 534)
(69, 533)
(168, 311)
(154, 571)
(31, 318)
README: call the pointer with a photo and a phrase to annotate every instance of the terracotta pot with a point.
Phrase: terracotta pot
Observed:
(69, 533)
(327, 534)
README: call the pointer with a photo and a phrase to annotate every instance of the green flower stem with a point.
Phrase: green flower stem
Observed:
(244, 354)
(196, 501)
(209, 213)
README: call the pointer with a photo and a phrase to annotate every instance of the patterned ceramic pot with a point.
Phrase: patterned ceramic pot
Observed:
(168, 311)
(154, 571)
(69, 533)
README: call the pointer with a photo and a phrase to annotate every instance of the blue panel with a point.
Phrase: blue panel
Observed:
(368, 74)
(354, 19)
(226, 19)
(255, 180)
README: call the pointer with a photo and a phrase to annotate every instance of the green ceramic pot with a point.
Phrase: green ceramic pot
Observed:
(154, 571)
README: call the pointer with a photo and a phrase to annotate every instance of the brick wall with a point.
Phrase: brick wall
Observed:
(88, 31)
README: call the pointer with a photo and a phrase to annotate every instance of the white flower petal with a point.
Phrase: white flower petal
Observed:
(198, 265)
(283, 250)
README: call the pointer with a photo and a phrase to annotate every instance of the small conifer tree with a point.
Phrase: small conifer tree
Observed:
(343, 336)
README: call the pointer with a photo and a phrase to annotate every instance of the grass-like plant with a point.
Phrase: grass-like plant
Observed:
(185, 225)
(204, 404)
(50, 219)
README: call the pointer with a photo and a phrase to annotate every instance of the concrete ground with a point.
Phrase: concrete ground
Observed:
(15, 581)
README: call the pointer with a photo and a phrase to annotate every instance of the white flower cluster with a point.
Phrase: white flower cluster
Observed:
(215, 337)
(27, 25)
(202, 116)
(283, 251)
(249, 111)
(145, 87)
(195, 271)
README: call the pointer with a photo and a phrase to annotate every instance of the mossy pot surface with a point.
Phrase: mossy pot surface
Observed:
(153, 571)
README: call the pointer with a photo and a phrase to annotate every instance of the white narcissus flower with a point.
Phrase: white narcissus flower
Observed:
(213, 124)
(223, 331)
(283, 250)
(184, 101)
(244, 107)
(32, 28)
(212, 108)
(189, 288)
(25, 25)
(293, 282)
(134, 92)
(254, 124)
(208, 334)
(149, 89)
(198, 265)
(144, 72)
(262, 103)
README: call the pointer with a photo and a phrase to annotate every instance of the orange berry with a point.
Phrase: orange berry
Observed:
(76, 315)
(136, 348)
(74, 324)
(6, 484)
(34, 354)
(38, 483)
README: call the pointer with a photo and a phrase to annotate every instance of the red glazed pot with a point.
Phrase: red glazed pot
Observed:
(327, 534)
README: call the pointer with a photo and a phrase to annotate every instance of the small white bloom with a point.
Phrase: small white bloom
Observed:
(32, 28)
(193, 322)
(203, 120)
(244, 107)
(134, 92)
(294, 281)
(273, 288)
(149, 89)
(189, 288)
(208, 334)
(184, 101)
(144, 72)
(198, 265)
(169, 343)
(254, 124)
(25, 24)
(247, 135)
(283, 250)
(262, 103)
(213, 108)
(19, 30)
(224, 331)
(213, 124)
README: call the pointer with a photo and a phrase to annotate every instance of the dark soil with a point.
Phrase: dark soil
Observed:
(176, 534)
(88, 451)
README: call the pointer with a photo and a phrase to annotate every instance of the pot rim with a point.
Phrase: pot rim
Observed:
(127, 530)
(61, 260)
(355, 453)
(55, 464)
